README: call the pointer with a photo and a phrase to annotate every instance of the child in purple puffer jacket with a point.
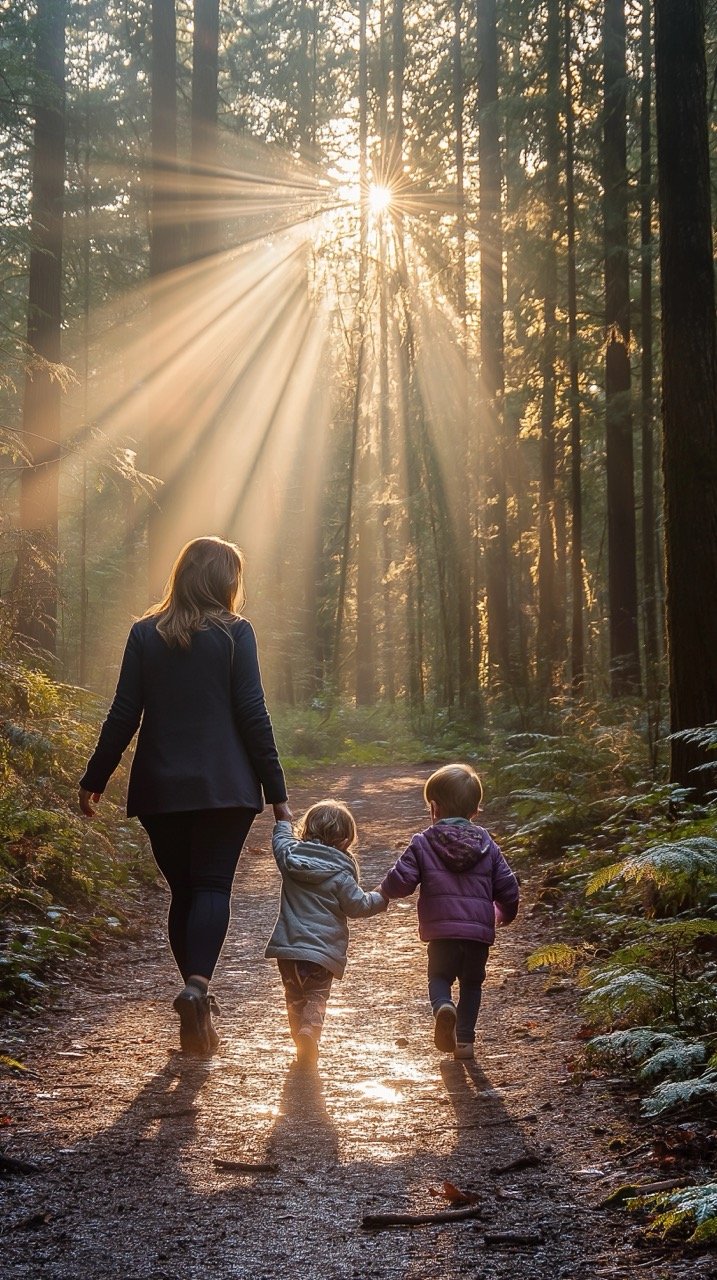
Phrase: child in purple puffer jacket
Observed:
(467, 888)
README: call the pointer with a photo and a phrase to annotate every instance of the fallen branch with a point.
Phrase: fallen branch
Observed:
(375, 1221)
(512, 1237)
(528, 1161)
(245, 1166)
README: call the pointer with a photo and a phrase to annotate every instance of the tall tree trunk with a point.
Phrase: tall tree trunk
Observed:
(386, 426)
(316, 567)
(306, 108)
(577, 640)
(649, 539)
(86, 296)
(490, 228)
(409, 531)
(398, 50)
(163, 257)
(547, 581)
(205, 72)
(463, 451)
(36, 572)
(365, 659)
(622, 562)
(689, 380)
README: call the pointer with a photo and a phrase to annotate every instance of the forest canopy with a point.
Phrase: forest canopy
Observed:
(375, 291)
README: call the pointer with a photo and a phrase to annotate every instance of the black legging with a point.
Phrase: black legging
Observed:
(197, 852)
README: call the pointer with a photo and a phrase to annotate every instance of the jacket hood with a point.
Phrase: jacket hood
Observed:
(459, 845)
(311, 862)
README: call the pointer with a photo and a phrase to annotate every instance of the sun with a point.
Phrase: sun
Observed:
(380, 198)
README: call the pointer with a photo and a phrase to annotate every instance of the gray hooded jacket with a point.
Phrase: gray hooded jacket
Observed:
(319, 890)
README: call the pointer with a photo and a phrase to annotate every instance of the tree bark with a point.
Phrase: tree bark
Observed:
(622, 562)
(365, 568)
(689, 355)
(36, 572)
(577, 642)
(205, 73)
(463, 449)
(547, 642)
(164, 243)
(649, 538)
(490, 228)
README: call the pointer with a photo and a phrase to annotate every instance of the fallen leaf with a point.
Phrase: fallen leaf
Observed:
(453, 1194)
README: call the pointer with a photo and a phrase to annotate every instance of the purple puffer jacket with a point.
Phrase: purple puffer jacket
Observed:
(462, 874)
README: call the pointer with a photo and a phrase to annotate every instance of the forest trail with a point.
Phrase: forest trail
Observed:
(126, 1131)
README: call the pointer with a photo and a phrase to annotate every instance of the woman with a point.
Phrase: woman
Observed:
(190, 682)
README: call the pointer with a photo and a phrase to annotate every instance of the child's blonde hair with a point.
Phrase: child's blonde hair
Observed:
(329, 822)
(456, 789)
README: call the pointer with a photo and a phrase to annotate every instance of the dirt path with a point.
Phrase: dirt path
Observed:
(126, 1130)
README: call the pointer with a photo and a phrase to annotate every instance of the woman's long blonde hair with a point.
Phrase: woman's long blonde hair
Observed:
(205, 586)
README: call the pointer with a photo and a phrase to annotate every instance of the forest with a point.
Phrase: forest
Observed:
(414, 301)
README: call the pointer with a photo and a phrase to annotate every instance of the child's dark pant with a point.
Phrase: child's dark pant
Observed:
(307, 987)
(465, 960)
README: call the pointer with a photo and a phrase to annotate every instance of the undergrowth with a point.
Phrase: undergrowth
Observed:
(629, 876)
(65, 884)
(340, 733)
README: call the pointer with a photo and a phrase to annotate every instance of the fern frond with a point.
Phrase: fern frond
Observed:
(661, 864)
(556, 955)
(682, 1094)
(633, 1045)
(626, 992)
(605, 876)
(679, 1061)
(704, 737)
(677, 1211)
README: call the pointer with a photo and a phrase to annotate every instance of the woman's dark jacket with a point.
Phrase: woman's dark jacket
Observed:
(205, 737)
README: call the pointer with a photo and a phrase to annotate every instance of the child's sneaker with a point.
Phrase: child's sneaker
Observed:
(463, 1051)
(307, 1050)
(444, 1033)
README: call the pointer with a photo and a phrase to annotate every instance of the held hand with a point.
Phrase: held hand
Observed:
(282, 812)
(87, 799)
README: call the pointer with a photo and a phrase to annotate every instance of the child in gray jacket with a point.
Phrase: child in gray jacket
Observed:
(319, 890)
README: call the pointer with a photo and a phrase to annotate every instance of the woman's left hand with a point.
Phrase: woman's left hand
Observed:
(87, 799)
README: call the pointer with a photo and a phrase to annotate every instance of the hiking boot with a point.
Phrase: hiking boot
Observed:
(463, 1051)
(444, 1032)
(307, 1049)
(192, 1005)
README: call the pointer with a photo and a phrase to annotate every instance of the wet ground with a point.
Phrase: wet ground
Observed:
(126, 1130)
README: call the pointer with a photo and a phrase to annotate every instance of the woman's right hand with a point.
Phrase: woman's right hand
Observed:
(282, 812)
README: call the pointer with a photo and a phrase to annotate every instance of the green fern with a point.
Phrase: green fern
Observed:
(632, 1046)
(677, 1061)
(662, 864)
(555, 955)
(621, 992)
(676, 1212)
(682, 1095)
